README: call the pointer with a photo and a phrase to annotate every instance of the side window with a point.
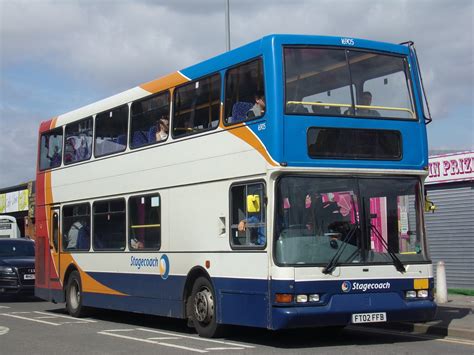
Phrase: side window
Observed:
(197, 106)
(111, 131)
(244, 92)
(55, 228)
(150, 120)
(76, 227)
(145, 222)
(248, 227)
(109, 225)
(78, 142)
(51, 149)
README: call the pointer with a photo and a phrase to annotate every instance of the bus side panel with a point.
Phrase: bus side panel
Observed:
(144, 305)
(239, 301)
(242, 302)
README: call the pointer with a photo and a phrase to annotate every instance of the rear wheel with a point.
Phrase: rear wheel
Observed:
(74, 296)
(203, 309)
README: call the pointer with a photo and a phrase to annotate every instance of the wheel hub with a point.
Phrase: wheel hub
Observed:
(75, 295)
(204, 305)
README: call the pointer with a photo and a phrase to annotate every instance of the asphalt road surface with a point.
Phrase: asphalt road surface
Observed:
(29, 326)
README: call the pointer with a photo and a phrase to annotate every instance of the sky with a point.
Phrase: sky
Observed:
(57, 56)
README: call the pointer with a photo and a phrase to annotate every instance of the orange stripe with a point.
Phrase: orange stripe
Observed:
(164, 83)
(53, 122)
(89, 284)
(48, 200)
(245, 134)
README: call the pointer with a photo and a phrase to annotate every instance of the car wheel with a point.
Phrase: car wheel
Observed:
(203, 309)
(74, 295)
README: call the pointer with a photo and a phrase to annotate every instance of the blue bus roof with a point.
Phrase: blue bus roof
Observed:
(267, 44)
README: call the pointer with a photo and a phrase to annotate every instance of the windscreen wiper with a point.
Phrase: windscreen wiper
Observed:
(329, 268)
(396, 261)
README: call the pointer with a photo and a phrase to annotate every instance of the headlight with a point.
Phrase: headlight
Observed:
(314, 297)
(6, 270)
(423, 293)
(301, 298)
(410, 294)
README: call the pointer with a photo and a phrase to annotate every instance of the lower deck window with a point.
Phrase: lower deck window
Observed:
(248, 215)
(145, 222)
(109, 225)
(76, 227)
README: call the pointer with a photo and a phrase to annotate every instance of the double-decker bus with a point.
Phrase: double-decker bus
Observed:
(277, 185)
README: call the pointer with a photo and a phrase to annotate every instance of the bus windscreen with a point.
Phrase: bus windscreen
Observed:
(341, 82)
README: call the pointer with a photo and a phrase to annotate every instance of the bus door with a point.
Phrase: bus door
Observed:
(54, 246)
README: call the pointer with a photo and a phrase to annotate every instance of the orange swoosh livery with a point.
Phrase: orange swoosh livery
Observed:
(246, 134)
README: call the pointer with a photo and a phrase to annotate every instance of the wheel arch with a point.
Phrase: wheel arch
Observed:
(72, 267)
(193, 275)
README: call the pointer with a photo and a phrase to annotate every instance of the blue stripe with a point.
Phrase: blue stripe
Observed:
(252, 302)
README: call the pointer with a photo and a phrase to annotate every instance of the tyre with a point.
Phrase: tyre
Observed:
(74, 296)
(203, 309)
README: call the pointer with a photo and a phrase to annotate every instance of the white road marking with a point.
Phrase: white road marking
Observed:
(197, 338)
(30, 319)
(48, 316)
(4, 330)
(235, 348)
(153, 342)
(4, 307)
(83, 320)
(163, 338)
(75, 322)
(119, 330)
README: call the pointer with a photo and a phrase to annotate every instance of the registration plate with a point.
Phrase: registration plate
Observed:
(369, 317)
(29, 276)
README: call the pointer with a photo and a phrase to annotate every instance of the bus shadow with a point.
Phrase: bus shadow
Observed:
(19, 299)
(284, 339)
(446, 318)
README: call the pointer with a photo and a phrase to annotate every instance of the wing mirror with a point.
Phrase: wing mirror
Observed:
(429, 205)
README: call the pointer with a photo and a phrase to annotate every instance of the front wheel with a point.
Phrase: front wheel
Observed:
(74, 296)
(203, 307)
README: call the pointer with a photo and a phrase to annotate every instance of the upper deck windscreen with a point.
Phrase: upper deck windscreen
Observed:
(341, 82)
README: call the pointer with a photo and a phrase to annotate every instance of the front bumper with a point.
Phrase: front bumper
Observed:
(15, 284)
(339, 310)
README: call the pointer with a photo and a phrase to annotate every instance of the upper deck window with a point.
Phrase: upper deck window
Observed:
(333, 82)
(51, 149)
(150, 120)
(78, 144)
(243, 89)
(111, 131)
(197, 106)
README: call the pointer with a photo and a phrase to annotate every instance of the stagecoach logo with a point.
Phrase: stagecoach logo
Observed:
(357, 286)
(346, 286)
(164, 267)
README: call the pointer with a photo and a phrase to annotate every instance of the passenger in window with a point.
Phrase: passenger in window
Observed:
(257, 233)
(366, 100)
(83, 151)
(73, 234)
(163, 129)
(258, 108)
(55, 159)
(136, 244)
